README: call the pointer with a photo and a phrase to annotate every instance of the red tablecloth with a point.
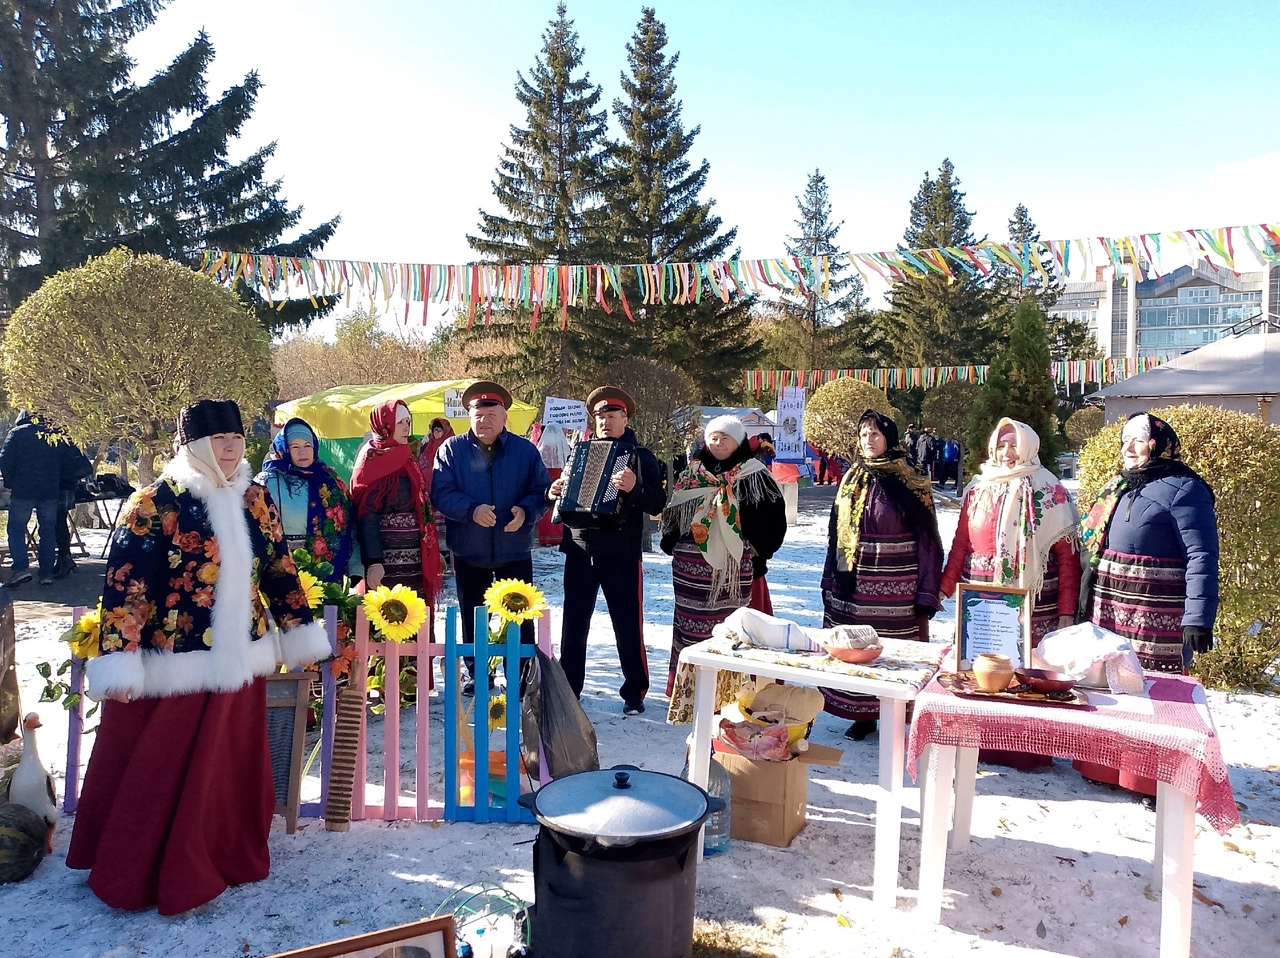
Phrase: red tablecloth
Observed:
(1166, 734)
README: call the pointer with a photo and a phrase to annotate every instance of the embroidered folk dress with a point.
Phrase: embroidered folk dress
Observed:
(178, 796)
(896, 569)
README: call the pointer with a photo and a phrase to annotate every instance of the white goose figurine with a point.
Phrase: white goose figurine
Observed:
(31, 785)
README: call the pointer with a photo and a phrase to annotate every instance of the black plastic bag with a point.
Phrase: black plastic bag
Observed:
(548, 708)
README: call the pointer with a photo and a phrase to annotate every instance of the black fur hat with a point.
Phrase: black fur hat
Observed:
(208, 417)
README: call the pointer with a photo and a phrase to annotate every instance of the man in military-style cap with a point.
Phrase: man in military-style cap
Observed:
(491, 488)
(603, 552)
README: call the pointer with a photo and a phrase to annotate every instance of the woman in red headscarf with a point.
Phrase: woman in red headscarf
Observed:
(393, 513)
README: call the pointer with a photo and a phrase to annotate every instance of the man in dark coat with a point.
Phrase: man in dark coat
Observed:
(490, 486)
(31, 464)
(603, 552)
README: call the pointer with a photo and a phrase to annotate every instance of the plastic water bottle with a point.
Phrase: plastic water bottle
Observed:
(716, 836)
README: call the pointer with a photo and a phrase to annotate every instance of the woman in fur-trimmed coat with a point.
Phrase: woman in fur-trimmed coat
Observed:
(178, 796)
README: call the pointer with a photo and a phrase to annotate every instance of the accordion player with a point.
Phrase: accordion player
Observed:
(589, 488)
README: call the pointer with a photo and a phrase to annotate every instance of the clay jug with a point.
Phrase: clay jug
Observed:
(992, 672)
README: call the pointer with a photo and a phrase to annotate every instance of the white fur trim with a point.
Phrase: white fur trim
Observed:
(115, 673)
(304, 644)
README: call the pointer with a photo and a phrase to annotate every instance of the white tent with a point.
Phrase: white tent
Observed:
(1241, 373)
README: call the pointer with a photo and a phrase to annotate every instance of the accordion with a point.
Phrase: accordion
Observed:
(591, 467)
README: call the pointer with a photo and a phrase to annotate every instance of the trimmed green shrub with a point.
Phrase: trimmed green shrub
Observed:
(1083, 425)
(1239, 456)
(831, 414)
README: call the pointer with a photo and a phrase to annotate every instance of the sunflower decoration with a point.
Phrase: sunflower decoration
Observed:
(397, 612)
(513, 600)
(498, 711)
(84, 634)
(312, 589)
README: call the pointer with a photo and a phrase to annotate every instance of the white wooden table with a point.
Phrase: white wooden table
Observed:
(947, 733)
(893, 696)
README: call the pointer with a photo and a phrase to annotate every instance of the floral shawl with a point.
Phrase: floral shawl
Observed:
(329, 533)
(704, 505)
(1035, 511)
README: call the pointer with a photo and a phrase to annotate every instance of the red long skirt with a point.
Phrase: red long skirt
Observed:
(177, 800)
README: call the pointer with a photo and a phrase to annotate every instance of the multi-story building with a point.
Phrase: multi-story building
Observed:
(1178, 312)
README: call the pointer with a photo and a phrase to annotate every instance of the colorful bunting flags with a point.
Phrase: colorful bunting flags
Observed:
(1066, 373)
(559, 286)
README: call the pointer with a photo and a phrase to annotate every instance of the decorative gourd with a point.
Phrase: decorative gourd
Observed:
(22, 842)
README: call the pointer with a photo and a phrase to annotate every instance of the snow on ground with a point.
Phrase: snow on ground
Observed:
(1056, 866)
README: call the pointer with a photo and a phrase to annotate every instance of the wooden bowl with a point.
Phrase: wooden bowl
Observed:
(856, 656)
(1041, 680)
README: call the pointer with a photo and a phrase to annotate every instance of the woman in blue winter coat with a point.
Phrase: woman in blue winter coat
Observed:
(1149, 558)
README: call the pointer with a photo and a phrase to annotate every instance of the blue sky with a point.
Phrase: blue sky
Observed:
(1102, 117)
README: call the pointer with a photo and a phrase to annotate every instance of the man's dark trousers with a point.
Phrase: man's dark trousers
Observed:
(473, 580)
(620, 578)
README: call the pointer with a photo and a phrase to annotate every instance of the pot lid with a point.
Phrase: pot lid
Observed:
(621, 806)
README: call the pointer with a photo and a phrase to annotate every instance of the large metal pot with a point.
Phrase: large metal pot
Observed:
(615, 864)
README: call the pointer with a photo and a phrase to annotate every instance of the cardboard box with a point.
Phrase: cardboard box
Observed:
(770, 799)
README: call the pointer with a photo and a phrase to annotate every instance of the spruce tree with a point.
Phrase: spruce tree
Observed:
(941, 320)
(822, 332)
(93, 160)
(549, 183)
(1020, 385)
(657, 215)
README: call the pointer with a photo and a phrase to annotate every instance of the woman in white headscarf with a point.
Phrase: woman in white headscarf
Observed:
(1018, 527)
(178, 797)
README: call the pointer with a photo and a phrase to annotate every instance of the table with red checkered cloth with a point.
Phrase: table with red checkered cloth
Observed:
(1166, 733)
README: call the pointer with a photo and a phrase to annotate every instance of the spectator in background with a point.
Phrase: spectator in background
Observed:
(949, 463)
(31, 466)
(440, 430)
(73, 466)
(909, 443)
(926, 451)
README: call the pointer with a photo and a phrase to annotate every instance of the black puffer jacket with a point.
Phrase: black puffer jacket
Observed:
(34, 458)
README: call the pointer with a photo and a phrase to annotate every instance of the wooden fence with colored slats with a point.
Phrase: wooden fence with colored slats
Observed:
(513, 654)
(422, 650)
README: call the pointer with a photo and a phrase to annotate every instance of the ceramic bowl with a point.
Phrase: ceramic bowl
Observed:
(1041, 680)
(856, 656)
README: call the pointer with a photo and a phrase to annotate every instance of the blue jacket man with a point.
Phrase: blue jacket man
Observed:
(491, 488)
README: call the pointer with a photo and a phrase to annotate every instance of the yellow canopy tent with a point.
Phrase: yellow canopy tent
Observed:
(340, 416)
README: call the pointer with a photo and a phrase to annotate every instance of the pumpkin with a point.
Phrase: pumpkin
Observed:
(22, 842)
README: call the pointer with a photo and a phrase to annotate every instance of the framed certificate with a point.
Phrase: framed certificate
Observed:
(992, 619)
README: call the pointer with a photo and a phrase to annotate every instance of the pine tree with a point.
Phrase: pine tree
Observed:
(1008, 281)
(822, 332)
(657, 215)
(1020, 385)
(941, 320)
(549, 182)
(93, 160)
